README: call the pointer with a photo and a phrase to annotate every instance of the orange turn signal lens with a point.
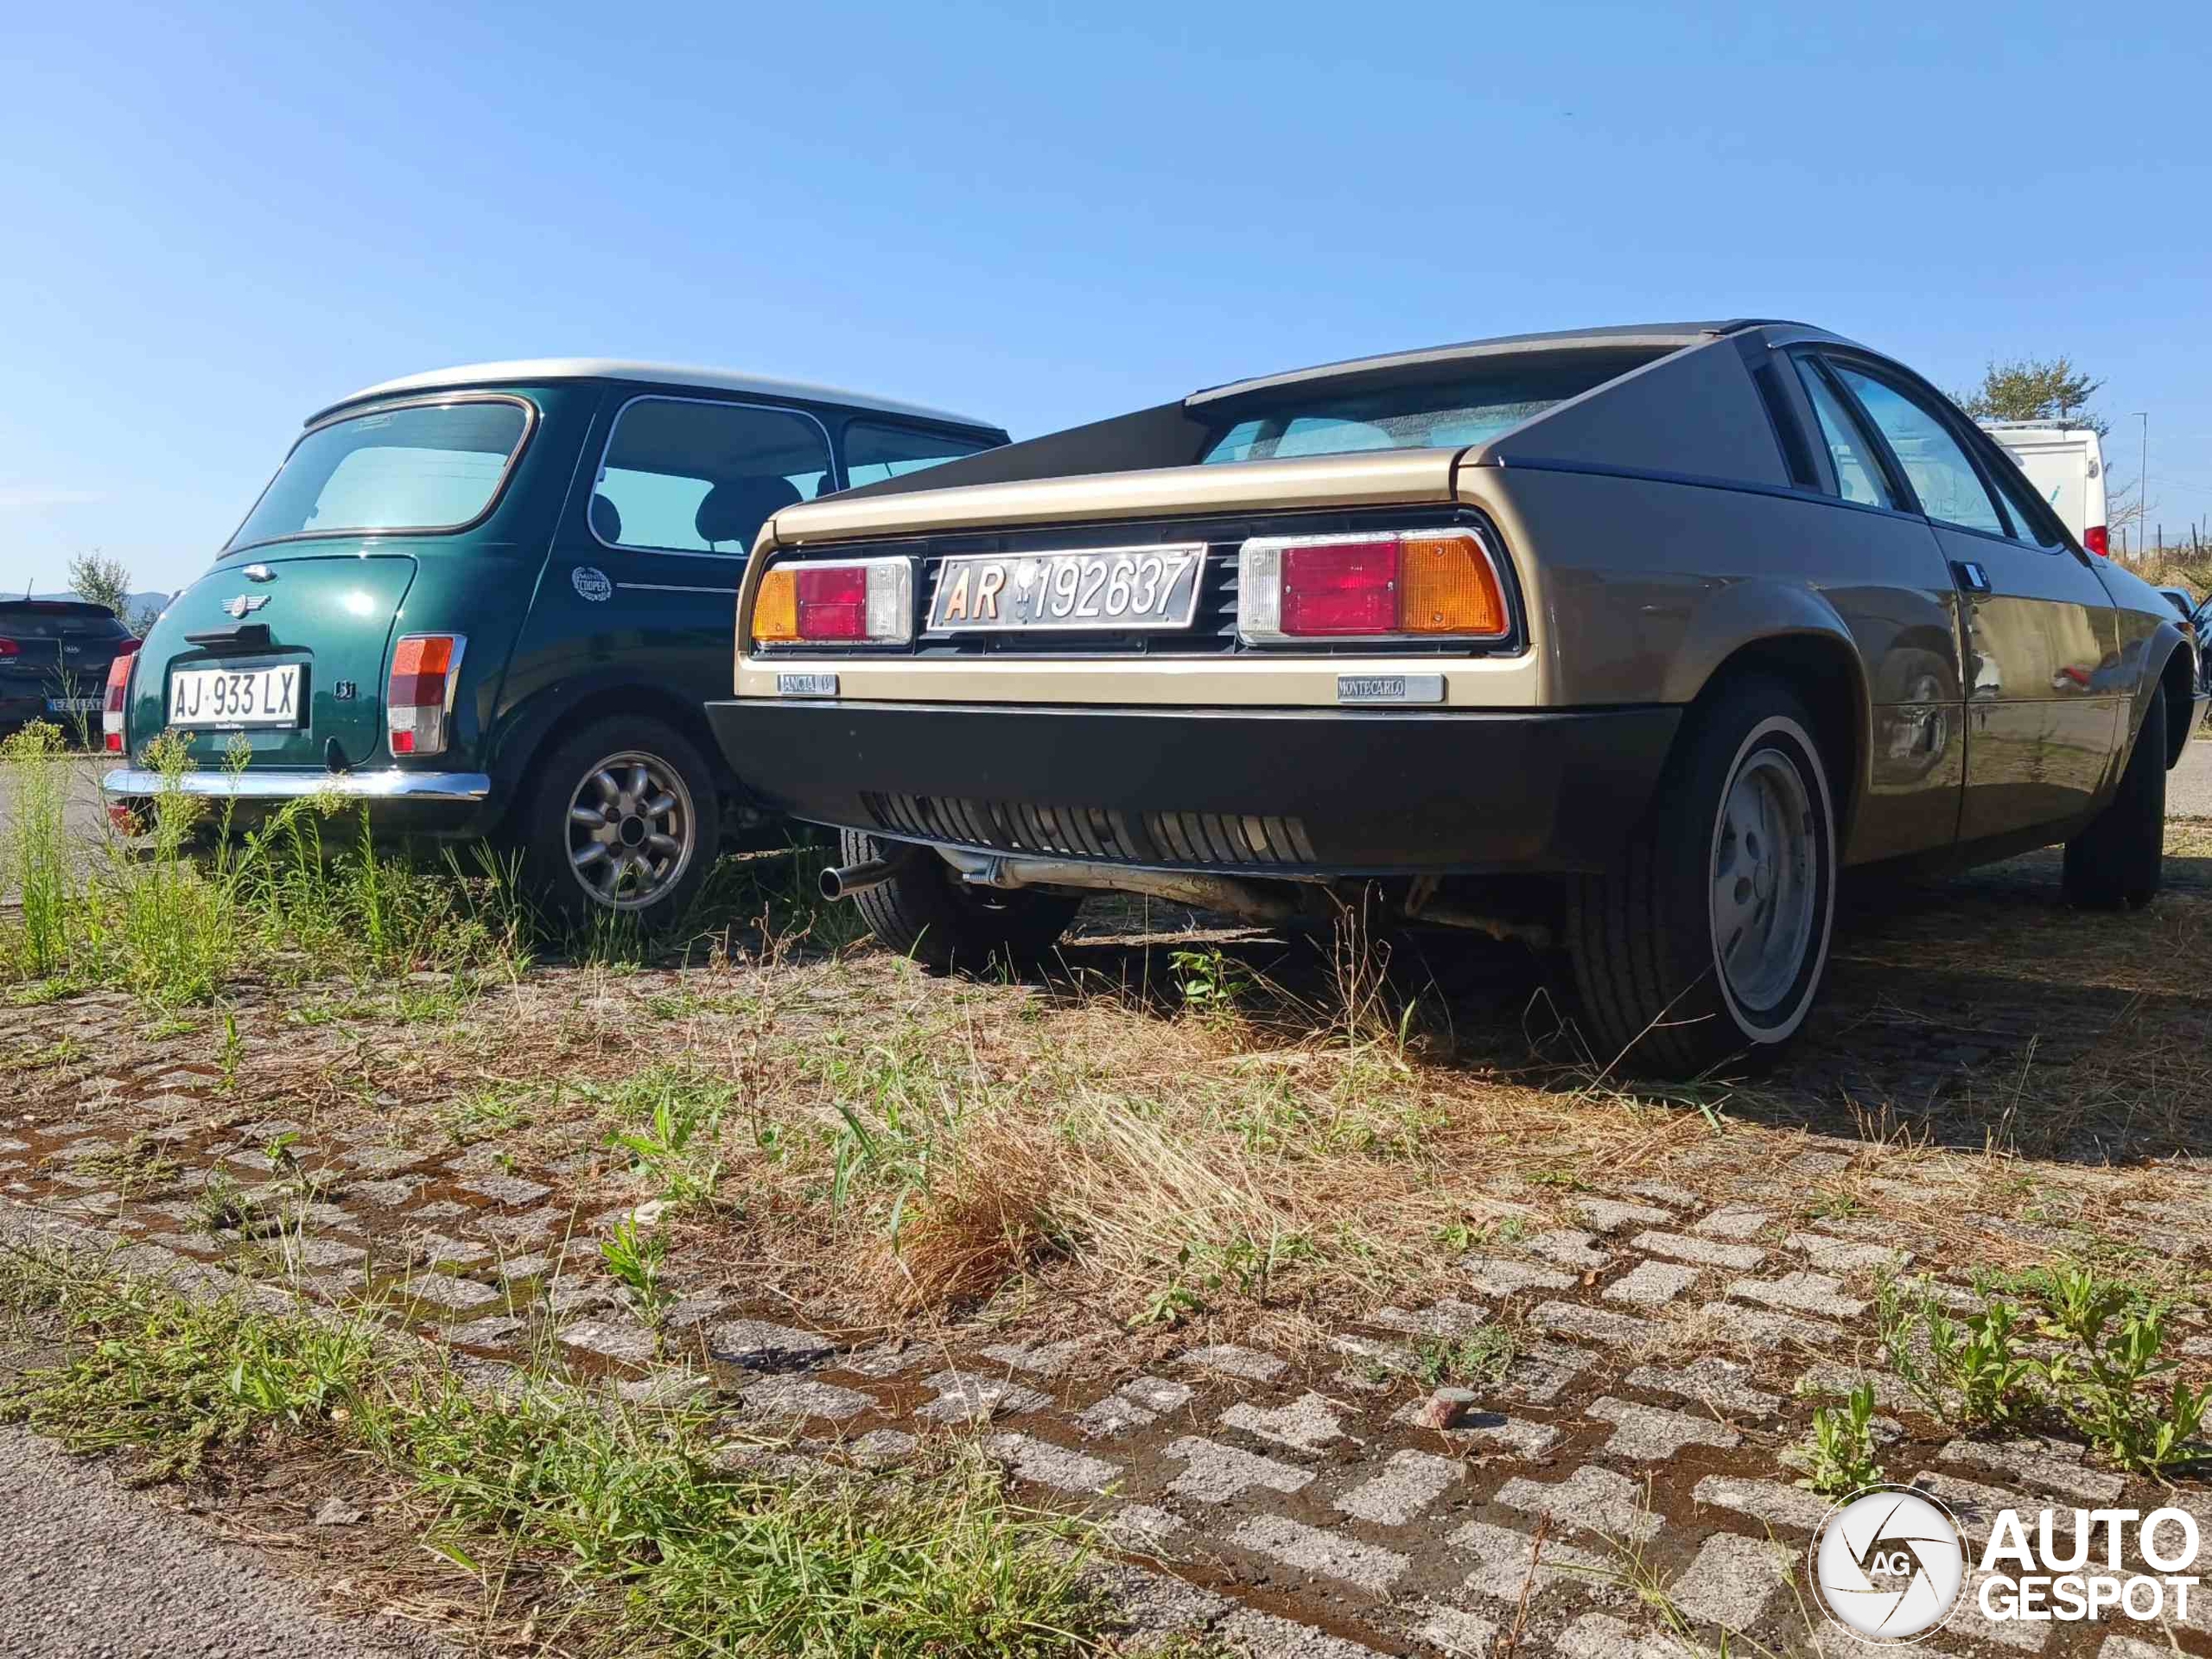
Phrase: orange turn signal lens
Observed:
(1446, 585)
(775, 609)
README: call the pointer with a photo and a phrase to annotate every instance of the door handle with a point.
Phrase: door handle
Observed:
(1970, 576)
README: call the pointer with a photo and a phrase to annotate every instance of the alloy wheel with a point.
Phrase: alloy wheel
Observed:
(631, 830)
(1765, 876)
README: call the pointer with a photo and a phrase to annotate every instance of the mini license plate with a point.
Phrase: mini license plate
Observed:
(73, 705)
(235, 696)
(1116, 588)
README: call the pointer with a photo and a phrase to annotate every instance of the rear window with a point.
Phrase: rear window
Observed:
(428, 467)
(874, 453)
(17, 623)
(1469, 407)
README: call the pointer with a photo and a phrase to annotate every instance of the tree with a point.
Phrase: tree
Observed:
(2035, 389)
(101, 581)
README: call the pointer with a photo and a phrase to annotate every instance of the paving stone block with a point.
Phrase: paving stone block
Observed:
(1764, 1328)
(1409, 1483)
(1766, 1501)
(2043, 1467)
(1597, 1499)
(1731, 1580)
(386, 1195)
(1372, 1355)
(1706, 1252)
(1507, 1560)
(619, 1339)
(1454, 1630)
(1613, 1214)
(1266, 1636)
(1800, 1293)
(1542, 1372)
(963, 1396)
(509, 1190)
(693, 1311)
(489, 1332)
(1140, 1526)
(882, 1448)
(1817, 1166)
(442, 1252)
(1601, 1635)
(1718, 1382)
(1516, 1436)
(1734, 1221)
(1447, 1318)
(1500, 1275)
(383, 1161)
(1976, 1505)
(1839, 1256)
(1308, 1423)
(445, 1291)
(1214, 1473)
(574, 1295)
(1151, 1605)
(1156, 1393)
(1651, 1433)
(665, 1389)
(1112, 1416)
(780, 1393)
(1315, 1549)
(1589, 1324)
(298, 1252)
(1047, 1465)
(1233, 1361)
(1677, 1197)
(2133, 1647)
(758, 1345)
(2025, 1634)
(1651, 1284)
(443, 1210)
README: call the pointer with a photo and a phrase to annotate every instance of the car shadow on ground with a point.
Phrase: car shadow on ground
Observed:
(1979, 1012)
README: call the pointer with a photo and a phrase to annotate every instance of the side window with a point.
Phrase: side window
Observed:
(874, 452)
(684, 476)
(2029, 524)
(1857, 476)
(1942, 477)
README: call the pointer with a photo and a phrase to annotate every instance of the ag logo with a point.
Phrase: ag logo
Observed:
(1887, 1564)
(592, 584)
(244, 605)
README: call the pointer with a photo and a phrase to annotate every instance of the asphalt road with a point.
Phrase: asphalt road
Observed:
(90, 1570)
(2189, 786)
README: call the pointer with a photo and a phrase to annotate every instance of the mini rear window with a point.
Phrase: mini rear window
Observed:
(422, 468)
(1468, 407)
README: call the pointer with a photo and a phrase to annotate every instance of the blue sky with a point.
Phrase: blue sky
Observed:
(215, 223)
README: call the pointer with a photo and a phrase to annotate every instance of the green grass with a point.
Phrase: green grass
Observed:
(654, 1535)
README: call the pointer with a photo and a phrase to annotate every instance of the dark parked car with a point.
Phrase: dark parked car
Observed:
(1643, 634)
(493, 600)
(54, 656)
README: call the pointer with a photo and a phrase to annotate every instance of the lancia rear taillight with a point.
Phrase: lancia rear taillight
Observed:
(418, 699)
(1384, 585)
(840, 602)
(118, 696)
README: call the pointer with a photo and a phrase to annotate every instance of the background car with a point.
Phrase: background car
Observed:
(491, 600)
(1635, 636)
(54, 656)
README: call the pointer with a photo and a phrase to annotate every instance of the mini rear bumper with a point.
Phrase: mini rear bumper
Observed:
(398, 804)
(1315, 791)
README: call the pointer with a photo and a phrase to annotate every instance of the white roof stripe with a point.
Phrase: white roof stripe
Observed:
(522, 370)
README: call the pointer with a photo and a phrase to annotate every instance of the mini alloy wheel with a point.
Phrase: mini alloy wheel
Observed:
(633, 830)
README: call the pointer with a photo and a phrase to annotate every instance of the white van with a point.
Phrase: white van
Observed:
(2066, 464)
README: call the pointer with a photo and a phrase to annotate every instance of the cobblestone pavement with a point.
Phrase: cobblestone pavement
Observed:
(1619, 1488)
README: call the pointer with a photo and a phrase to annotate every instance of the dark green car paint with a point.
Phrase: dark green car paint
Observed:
(561, 628)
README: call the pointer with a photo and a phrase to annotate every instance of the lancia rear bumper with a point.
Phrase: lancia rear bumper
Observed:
(1336, 791)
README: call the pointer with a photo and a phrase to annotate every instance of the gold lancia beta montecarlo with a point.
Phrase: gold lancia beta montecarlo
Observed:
(1630, 639)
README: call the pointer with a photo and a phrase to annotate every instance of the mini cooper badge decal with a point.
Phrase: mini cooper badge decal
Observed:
(244, 605)
(1390, 688)
(592, 584)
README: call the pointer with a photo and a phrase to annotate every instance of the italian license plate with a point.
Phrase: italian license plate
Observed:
(235, 696)
(73, 705)
(1110, 587)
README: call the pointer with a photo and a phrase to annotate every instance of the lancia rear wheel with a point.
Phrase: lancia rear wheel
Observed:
(1706, 944)
(925, 912)
(621, 819)
(2117, 862)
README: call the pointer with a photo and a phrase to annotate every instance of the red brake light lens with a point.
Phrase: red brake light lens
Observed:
(2098, 540)
(853, 601)
(1411, 584)
(418, 698)
(118, 697)
(833, 603)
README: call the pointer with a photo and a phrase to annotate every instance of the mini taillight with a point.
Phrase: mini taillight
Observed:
(1412, 584)
(2098, 541)
(849, 602)
(418, 698)
(119, 695)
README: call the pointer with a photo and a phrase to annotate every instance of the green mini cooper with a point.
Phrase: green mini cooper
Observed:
(492, 602)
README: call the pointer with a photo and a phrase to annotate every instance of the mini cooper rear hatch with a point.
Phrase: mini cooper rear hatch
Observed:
(492, 601)
(1632, 637)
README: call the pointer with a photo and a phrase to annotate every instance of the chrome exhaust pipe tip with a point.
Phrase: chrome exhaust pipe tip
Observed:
(843, 881)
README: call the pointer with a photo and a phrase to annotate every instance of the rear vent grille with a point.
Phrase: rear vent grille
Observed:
(1094, 832)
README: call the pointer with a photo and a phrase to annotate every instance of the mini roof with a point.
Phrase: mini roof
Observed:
(537, 370)
(1662, 336)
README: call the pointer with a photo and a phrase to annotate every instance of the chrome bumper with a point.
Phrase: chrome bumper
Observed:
(389, 784)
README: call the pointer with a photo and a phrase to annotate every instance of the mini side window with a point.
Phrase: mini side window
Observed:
(685, 476)
(1947, 483)
(1858, 477)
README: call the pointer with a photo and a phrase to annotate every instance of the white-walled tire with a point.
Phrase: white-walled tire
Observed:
(1706, 944)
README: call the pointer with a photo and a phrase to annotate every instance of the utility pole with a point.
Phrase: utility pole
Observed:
(2143, 477)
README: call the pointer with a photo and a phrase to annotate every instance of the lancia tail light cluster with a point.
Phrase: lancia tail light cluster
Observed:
(418, 698)
(118, 695)
(1378, 585)
(841, 601)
